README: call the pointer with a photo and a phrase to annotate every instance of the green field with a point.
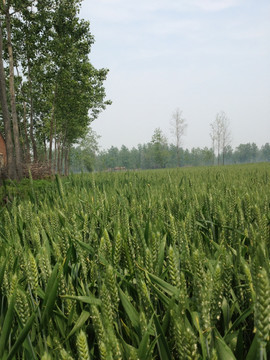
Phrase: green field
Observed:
(165, 264)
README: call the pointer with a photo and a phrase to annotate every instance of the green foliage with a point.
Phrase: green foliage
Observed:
(159, 149)
(137, 265)
(158, 153)
(82, 157)
(58, 91)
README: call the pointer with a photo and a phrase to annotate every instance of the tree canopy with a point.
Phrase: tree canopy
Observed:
(145, 156)
(54, 91)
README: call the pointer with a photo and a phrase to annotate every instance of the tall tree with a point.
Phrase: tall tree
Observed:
(80, 92)
(11, 167)
(220, 135)
(159, 147)
(246, 153)
(124, 157)
(178, 127)
(60, 91)
(5, 12)
(265, 152)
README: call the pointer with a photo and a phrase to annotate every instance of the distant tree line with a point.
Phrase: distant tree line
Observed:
(158, 153)
(147, 157)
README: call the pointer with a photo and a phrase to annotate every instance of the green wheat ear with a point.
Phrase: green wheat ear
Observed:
(133, 354)
(22, 306)
(110, 281)
(117, 249)
(217, 292)
(107, 308)
(174, 268)
(97, 323)
(104, 354)
(262, 307)
(46, 356)
(65, 356)
(82, 346)
(32, 271)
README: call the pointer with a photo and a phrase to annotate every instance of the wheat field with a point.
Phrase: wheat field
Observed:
(164, 264)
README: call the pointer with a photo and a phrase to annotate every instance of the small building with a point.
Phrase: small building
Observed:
(3, 152)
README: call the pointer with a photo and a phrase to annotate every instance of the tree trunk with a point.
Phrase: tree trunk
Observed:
(16, 135)
(23, 147)
(45, 149)
(58, 157)
(178, 155)
(27, 146)
(51, 139)
(11, 165)
(62, 158)
(63, 148)
(32, 137)
(55, 147)
(67, 161)
(55, 156)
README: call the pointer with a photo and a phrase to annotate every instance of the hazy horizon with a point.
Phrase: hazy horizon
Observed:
(199, 56)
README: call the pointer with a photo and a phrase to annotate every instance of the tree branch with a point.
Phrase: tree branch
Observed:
(23, 7)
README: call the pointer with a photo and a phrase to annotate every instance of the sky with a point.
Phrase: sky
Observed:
(200, 56)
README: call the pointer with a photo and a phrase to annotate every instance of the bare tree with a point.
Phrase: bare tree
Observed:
(178, 127)
(220, 135)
